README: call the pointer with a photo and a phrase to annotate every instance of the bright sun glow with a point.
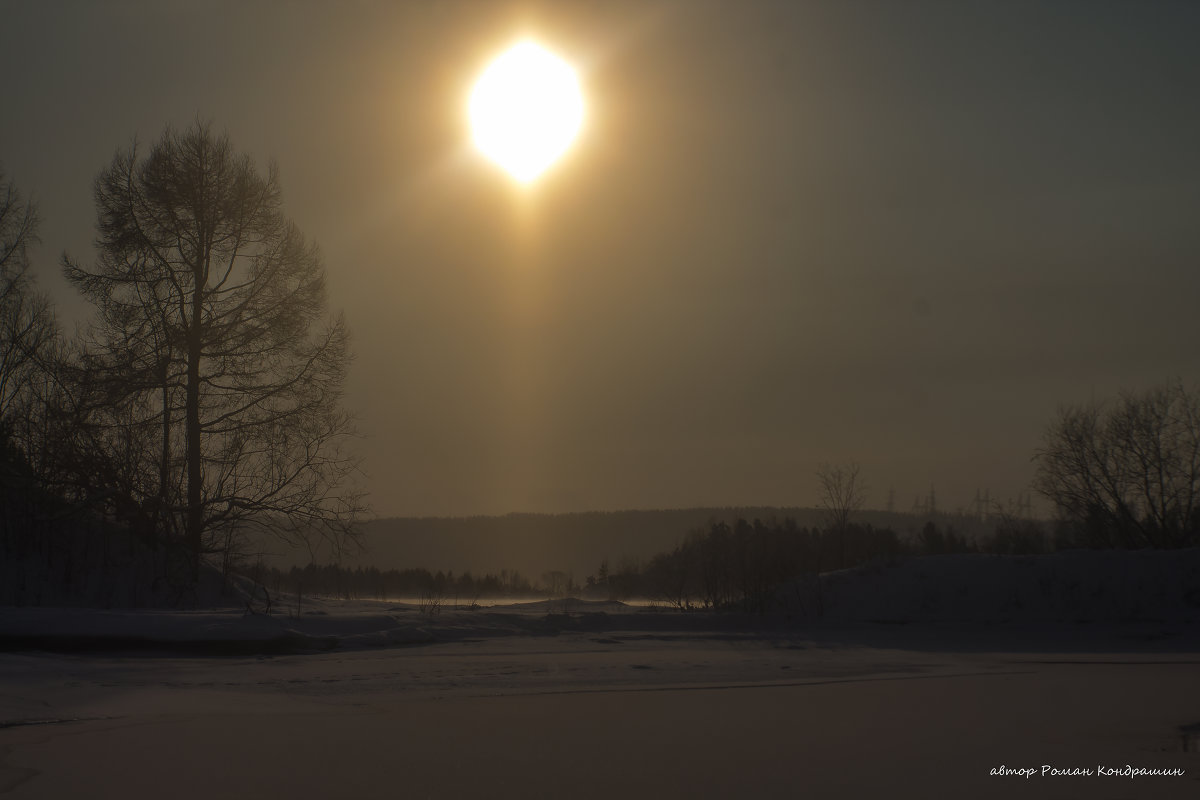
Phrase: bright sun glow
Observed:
(525, 110)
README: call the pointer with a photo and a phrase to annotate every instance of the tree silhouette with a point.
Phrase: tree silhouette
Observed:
(28, 330)
(1126, 474)
(842, 493)
(213, 341)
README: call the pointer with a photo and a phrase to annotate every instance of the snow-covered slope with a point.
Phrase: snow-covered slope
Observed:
(1073, 586)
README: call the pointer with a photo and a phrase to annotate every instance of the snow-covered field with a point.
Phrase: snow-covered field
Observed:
(378, 700)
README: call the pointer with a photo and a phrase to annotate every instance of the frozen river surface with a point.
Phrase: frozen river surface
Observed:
(864, 712)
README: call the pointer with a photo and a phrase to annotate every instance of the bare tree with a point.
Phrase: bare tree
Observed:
(28, 330)
(214, 341)
(842, 494)
(1126, 474)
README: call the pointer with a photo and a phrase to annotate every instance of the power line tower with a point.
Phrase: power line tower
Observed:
(983, 502)
(1025, 505)
(891, 503)
(925, 506)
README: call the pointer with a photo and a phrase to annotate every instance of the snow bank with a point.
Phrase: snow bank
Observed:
(322, 624)
(1074, 586)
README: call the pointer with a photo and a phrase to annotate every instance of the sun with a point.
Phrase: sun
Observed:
(525, 110)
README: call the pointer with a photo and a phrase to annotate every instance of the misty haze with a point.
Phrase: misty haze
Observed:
(634, 399)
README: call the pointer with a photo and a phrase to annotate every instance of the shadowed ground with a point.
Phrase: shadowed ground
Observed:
(603, 714)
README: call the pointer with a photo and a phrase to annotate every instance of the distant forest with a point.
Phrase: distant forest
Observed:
(575, 543)
(724, 566)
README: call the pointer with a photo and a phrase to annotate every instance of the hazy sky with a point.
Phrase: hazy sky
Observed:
(899, 233)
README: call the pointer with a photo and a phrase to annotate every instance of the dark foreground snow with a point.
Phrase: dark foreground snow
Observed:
(867, 711)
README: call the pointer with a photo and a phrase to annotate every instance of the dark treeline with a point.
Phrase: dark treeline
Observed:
(725, 566)
(53, 552)
(371, 583)
(741, 566)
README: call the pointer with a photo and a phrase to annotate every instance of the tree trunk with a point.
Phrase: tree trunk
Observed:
(195, 488)
(164, 466)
